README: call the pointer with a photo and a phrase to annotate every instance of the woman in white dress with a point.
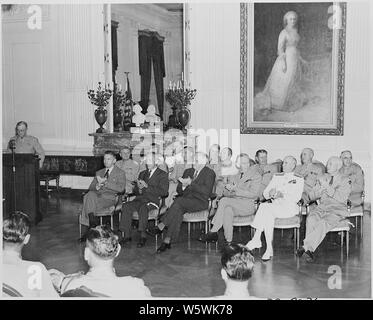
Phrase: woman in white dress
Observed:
(282, 91)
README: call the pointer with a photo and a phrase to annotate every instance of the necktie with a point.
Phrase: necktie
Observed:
(195, 174)
(150, 173)
(331, 181)
(106, 174)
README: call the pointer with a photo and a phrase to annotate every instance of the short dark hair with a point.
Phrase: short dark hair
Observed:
(237, 262)
(260, 151)
(20, 123)
(103, 242)
(16, 227)
(111, 153)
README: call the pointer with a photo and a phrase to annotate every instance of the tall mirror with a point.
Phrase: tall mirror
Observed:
(147, 44)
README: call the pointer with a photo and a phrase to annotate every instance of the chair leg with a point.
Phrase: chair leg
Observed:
(206, 226)
(100, 220)
(348, 242)
(58, 183)
(298, 237)
(47, 185)
(295, 238)
(361, 226)
(342, 240)
(282, 233)
(188, 230)
(112, 221)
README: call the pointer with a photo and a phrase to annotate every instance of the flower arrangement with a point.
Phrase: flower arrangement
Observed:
(101, 96)
(119, 99)
(178, 96)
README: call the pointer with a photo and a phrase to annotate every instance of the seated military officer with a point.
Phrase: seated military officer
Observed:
(130, 167)
(309, 170)
(226, 172)
(284, 191)
(238, 200)
(266, 170)
(23, 143)
(332, 191)
(356, 176)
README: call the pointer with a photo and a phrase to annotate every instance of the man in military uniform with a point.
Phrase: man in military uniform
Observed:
(332, 190)
(266, 170)
(130, 167)
(238, 200)
(356, 176)
(309, 170)
(23, 143)
(284, 191)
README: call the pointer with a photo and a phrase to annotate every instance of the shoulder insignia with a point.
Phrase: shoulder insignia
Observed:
(298, 175)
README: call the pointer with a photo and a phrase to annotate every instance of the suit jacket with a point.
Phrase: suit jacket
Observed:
(157, 186)
(116, 182)
(201, 187)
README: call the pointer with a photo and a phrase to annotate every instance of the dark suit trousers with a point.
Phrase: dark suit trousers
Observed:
(128, 209)
(173, 218)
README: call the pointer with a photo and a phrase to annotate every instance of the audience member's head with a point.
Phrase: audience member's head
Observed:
(346, 157)
(201, 159)
(109, 159)
(333, 165)
(125, 153)
(151, 160)
(102, 246)
(16, 231)
(21, 128)
(306, 156)
(214, 154)
(237, 263)
(188, 155)
(226, 154)
(289, 164)
(261, 157)
(243, 162)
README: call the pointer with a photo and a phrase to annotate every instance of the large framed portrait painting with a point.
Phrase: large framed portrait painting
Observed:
(292, 68)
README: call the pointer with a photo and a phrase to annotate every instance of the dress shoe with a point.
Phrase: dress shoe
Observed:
(164, 246)
(208, 237)
(253, 244)
(141, 243)
(309, 256)
(300, 252)
(267, 255)
(154, 231)
(124, 241)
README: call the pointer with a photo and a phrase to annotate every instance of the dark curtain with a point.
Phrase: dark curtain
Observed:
(151, 53)
(114, 48)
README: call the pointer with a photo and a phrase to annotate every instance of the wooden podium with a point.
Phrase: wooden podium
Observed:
(27, 185)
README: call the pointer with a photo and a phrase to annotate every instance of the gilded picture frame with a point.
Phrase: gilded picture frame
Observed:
(292, 68)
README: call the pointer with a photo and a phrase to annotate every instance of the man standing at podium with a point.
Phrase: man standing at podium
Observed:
(23, 143)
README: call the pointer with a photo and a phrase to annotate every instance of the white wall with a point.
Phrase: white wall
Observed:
(46, 73)
(215, 73)
(135, 17)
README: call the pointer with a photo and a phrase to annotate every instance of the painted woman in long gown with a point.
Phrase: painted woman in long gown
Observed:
(282, 91)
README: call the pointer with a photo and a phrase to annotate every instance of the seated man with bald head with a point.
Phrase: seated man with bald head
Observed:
(356, 176)
(309, 170)
(332, 191)
(284, 191)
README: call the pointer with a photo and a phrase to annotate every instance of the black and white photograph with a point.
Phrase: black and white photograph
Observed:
(195, 152)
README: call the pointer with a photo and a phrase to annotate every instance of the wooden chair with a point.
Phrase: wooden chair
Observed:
(356, 211)
(47, 177)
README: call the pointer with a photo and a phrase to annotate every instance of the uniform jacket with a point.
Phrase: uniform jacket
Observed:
(249, 184)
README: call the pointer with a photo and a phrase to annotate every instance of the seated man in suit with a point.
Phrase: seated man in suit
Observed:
(237, 269)
(309, 170)
(102, 247)
(152, 184)
(284, 191)
(130, 167)
(176, 170)
(102, 192)
(195, 189)
(29, 278)
(238, 200)
(266, 170)
(332, 191)
(355, 174)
